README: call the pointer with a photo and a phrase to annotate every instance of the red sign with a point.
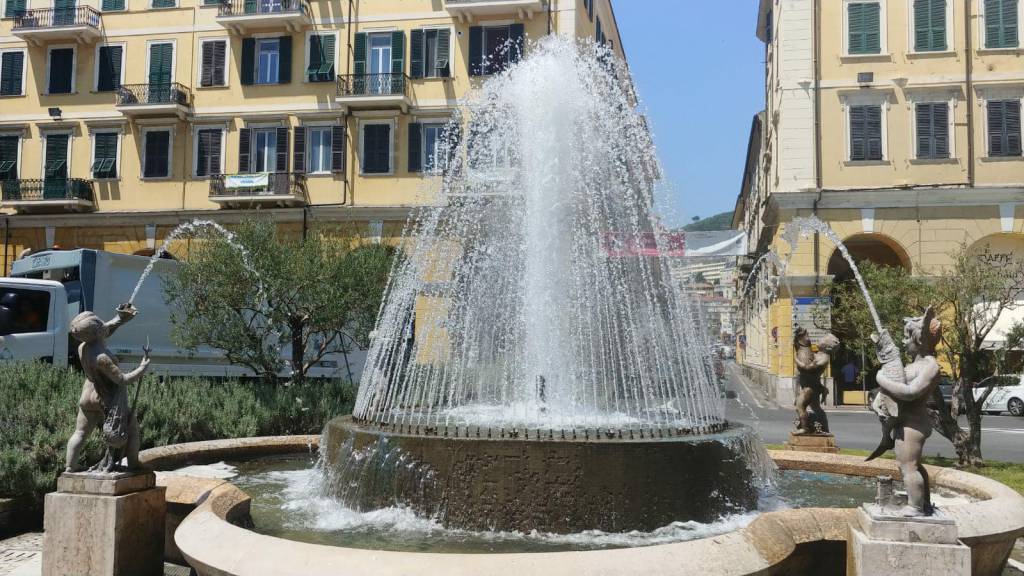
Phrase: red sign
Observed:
(627, 244)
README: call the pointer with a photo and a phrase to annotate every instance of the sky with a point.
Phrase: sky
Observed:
(699, 70)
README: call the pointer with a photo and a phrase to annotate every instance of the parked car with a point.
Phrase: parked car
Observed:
(946, 387)
(1007, 394)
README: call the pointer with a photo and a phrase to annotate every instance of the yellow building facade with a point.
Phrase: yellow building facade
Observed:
(120, 119)
(897, 122)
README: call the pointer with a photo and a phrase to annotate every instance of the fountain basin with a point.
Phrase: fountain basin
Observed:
(214, 540)
(544, 483)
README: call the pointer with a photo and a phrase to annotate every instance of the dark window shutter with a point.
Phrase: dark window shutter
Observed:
(996, 128)
(109, 77)
(285, 60)
(929, 25)
(940, 127)
(208, 57)
(858, 146)
(415, 147)
(9, 157)
(337, 148)
(105, 155)
(359, 55)
(1011, 128)
(61, 73)
(160, 63)
(316, 55)
(938, 25)
(299, 151)
(874, 132)
(925, 134)
(398, 52)
(209, 161)
(56, 159)
(282, 150)
(1011, 24)
(248, 61)
(164, 3)
(476, 51)
(327, 57)
(14, 8)
(590, 9)
(244, 150)
(157, 153)
(376, 149)
(220, 52)
(416, 65)
(444, 53)
(215, 143)
(517, 41)
(11, 69)
(109, 5)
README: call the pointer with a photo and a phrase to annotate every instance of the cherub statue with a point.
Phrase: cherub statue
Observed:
(902, 403)
(810, 363)
(104, 398)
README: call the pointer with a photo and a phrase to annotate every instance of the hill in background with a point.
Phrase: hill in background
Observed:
(721, 221)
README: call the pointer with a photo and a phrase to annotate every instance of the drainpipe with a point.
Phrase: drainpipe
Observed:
(969, 65)
(551, 15)
(350, 185)
(7, 239)
(817, 141)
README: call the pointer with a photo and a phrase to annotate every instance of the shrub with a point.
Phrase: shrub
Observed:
(39, 402)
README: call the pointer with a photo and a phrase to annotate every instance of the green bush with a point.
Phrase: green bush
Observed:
(38, 404)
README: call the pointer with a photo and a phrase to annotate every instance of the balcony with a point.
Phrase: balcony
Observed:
(467, 10)
(33, 195)
(268, 189)
(374, 92)
(80, 24)
(243, 16)
(171, 99)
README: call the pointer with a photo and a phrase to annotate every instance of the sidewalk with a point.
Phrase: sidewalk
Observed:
(22, 555)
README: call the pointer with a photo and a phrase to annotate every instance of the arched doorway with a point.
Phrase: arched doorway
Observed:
(850, 383)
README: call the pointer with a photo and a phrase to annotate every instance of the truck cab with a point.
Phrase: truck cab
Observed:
(34, 316)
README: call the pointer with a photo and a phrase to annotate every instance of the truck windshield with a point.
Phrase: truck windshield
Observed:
(23, 311)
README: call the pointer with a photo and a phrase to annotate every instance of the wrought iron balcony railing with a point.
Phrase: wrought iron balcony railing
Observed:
(247, 7)
(30, 190)
(373, 85)
(57, 18)
(147, 94)
(268, 184)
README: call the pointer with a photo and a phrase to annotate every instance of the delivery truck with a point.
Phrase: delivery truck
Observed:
(47, 289)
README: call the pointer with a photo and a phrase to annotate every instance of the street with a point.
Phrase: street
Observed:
(1002, 437)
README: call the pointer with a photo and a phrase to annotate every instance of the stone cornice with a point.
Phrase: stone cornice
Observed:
(895, 198)
(173, 217)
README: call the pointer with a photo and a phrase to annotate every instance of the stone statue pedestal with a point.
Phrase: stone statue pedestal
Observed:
(104, 525)
(884, 543)
(812, 442)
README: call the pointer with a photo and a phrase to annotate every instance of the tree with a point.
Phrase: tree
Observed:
(252, 296)
(974, 293)
(897, 295)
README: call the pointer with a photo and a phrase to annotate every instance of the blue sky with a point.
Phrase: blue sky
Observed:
(699, 70)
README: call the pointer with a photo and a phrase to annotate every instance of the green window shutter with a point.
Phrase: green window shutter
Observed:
(416, 66)
(1001, 24)
(160, 61)
(8, 157)
(105, 155)
(157, 155)
(112, 5)
(929, 25)
(444, 53)
(12, 67)
(248, 61)
(14, 8)
(415, 147)
(109, 76)
(164, 3)
(321, 58)
(398, 52)
(359, 56)
(56, 159)
(864, 24)
(315, 56)
(62, 77)
(284, 70)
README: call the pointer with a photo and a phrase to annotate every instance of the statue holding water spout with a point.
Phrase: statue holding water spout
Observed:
(811, 361)
(902, 403)
(104, 401)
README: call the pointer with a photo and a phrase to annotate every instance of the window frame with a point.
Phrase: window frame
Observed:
(93, 134)
(227, 61)
(24, 69)
(307, 51)
(452, 35)
(912, 31)
(96, 64)
(328, 128)
(260, 40)
(146, 131)
(74, 69)
(1001, 97)
(950, 130)
(196, 129)
(983, 31)
(869, 98)
(424, 125)
(883, 29)
(392, 137)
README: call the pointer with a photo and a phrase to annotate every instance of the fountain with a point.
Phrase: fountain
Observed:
(532, 355)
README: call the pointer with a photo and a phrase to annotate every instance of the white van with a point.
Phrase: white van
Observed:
(1007, 394)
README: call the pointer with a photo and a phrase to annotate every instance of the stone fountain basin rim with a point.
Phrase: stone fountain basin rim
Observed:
(214, 545)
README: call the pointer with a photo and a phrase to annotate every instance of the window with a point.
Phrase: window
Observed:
(9, 158)
(112, 5)
(104, 157)
(208, 151)
(164, 3)
(61, 75)
(426, 145)
(431, 53)
(932, 124)
(493, 48)
(109, 63)
(15, 8)
(320, 149)
(930, 25)
(589, 5)
(23, 311)
(320, 58)
(866, 133)
(379, 63)
(12, 72)
(1002, 21)
(864, 27)
(268, 63)
(56, 148)
(267, 60)
(262, 150)
(1004, 128)
(214, 61)
(156, 155)
(376, 149)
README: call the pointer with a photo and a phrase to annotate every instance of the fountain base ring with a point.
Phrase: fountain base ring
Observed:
(539, 484)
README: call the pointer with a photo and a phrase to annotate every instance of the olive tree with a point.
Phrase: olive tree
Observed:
(258, 293)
